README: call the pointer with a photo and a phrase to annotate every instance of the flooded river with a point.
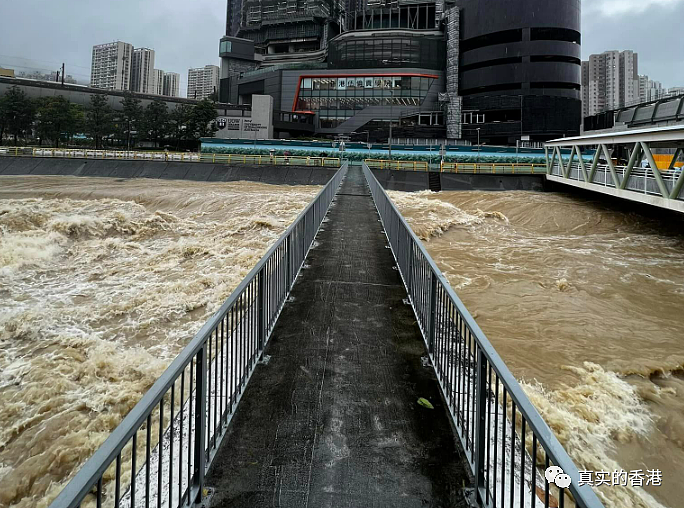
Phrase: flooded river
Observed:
(585, 303)
(102, 283)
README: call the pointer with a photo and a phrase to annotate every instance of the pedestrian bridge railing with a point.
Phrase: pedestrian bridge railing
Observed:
(216, 158)
(507, 443)
(667, 183)
(159, 453)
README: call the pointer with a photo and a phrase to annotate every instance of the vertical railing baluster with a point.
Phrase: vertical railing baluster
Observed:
(512, 496)
(160, 446)
(433, 298)
(200, 422)
(534, 469)
(180, 436)
(481, 408)
(117, 486)
(171, 425)
(134, 470)
(288, 255)
(262, 317)
(191, 436)
(147, 460)
(522, 461)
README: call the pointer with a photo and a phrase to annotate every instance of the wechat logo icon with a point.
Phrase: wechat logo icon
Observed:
(555, 475)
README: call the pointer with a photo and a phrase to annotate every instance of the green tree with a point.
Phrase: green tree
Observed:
(203, 120)
(130, 117)
(18, 112)
(99, 118)
(156, 122)
(55, 116)
(180, 119)
(76, 122)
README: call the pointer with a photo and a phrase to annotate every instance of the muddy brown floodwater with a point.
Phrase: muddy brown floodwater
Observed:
(102, 283)
(585, 304)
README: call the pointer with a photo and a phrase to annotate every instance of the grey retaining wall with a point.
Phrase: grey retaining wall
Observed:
(413, 181)
(196, 171)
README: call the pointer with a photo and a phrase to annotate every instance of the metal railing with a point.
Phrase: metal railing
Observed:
(159, 453)
(504, 437)
(395, 164)
(485, 168)
(84, 153)
(640, 180)
(493, 168)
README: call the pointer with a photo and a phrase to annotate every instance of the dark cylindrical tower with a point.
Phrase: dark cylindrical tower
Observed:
(520, 69)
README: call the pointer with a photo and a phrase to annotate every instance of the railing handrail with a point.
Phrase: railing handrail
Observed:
(551, 444)
(466, 167)
(118, 154)
(102, 459)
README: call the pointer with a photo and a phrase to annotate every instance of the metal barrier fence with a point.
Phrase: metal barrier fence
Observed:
(394, 164)
(640, 180)
(504, 437)
(493, 168)
(84, 153)
(160, 452)
(485, 168)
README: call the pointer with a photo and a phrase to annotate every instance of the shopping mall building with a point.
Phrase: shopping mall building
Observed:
(501, 70)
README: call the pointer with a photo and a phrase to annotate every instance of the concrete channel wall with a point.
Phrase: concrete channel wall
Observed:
(413, 181)
(407, 181)
(196, 171)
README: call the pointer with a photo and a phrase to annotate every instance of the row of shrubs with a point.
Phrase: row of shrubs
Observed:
(358, 156)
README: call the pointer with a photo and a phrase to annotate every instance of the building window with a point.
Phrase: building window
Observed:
(339, 98)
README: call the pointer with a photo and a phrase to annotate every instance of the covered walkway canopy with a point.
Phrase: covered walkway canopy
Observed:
(656, 136)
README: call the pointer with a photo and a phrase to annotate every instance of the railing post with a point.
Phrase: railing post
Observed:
(288, 256)
(481, 431)
(409, 276)
(433, 313)
(262, 307)
(200, 423)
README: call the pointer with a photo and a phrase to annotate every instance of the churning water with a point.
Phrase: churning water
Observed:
(102, 283)
(585, 304)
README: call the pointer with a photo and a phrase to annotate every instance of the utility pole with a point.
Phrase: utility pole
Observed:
(62, 74)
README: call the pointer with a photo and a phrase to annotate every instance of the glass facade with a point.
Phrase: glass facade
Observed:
(225, 47)
(336, 99)
(373, 52)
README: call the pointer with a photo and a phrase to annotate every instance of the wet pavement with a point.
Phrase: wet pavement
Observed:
(332, 419)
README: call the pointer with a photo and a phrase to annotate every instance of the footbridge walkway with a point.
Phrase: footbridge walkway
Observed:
(343, 371)
(623, 165)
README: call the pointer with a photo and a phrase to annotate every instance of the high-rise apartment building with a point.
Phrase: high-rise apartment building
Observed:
(111, 66)
(610, 81)
(158, 82)
(142, 70)
(650, 90)
(171, 84)
(202, 82)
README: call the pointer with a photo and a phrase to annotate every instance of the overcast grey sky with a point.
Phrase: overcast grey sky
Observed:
(185, 33)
